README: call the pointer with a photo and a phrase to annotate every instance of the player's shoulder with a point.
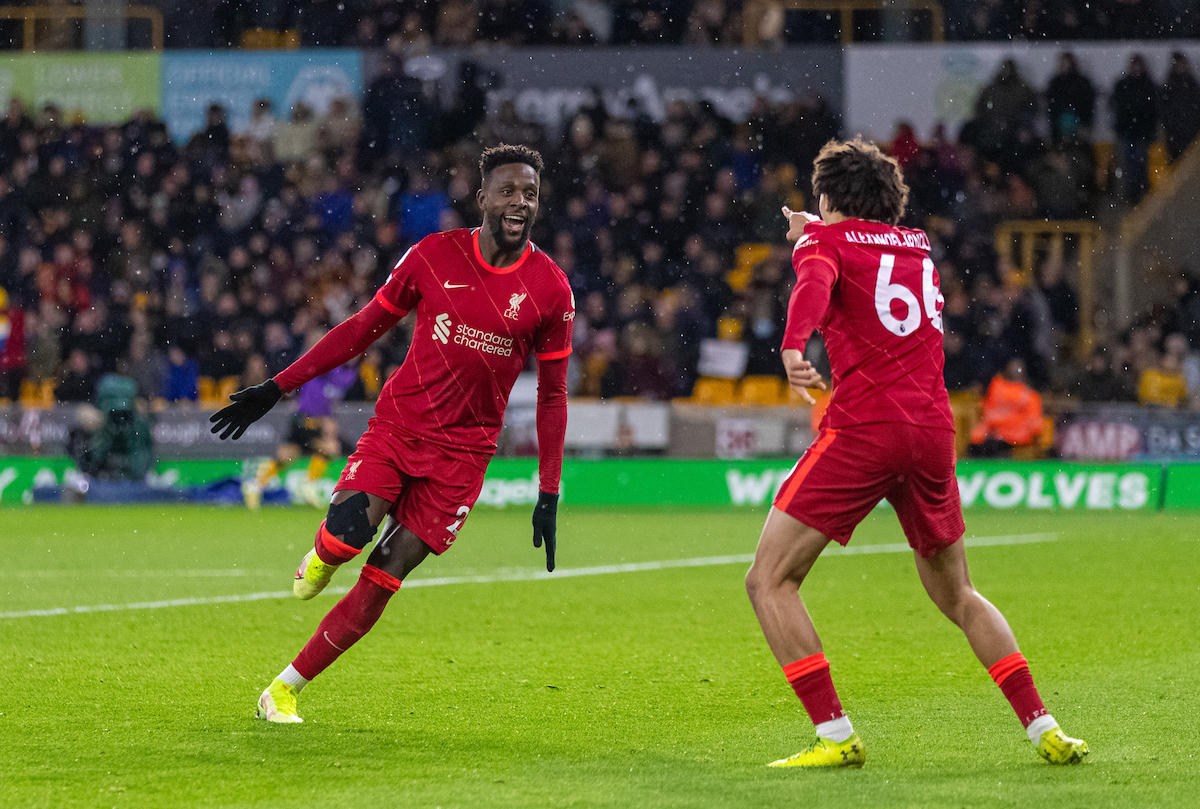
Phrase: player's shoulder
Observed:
(541, 262)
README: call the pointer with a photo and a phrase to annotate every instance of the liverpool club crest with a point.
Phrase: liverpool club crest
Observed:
(514, 305)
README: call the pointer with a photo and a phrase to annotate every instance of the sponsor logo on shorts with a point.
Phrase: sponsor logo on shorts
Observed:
(441, 328)
(514, 305)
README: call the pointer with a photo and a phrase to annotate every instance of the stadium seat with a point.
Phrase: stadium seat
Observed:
(46, 393)
(729, 329)
(746, 256)
(713, 391)
(227, 387)
(762, 390)
(30, 396)
(206, 387)
(966, 406)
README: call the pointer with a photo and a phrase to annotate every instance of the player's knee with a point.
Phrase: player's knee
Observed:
(349, 522)
(755, 583)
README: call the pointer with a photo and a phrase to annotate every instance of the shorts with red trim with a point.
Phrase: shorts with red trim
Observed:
(847, 471)
(431, 487)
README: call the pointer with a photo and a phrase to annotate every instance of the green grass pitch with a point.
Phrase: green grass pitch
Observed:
(634, 689)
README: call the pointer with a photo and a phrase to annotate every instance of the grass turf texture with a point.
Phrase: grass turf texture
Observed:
(636, 689)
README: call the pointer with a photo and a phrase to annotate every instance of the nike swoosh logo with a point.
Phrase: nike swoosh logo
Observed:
(331, 643)
(449, 285)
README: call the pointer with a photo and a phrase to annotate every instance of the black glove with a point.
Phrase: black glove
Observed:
(545, 516)
(248, 406)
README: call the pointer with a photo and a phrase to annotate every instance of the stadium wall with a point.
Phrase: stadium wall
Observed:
(998, 485)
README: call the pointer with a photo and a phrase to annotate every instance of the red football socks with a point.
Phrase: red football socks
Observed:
(349, 620)
(332, 550)
(1011, 673)
(810, 679)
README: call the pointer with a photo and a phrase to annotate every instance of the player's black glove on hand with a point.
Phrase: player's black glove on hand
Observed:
(248, 406)
(545, 525)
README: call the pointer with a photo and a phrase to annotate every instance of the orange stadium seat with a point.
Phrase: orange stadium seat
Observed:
(762, 390)
(227, 387)
(713, 391)
(206, 388)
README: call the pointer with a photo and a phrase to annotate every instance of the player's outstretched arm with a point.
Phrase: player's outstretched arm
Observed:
(249, 405)
(552, 433)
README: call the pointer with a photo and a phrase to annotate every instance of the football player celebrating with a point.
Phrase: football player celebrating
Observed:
(872, 290)
(485, 298)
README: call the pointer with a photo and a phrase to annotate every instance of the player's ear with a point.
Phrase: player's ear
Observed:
(479, 195)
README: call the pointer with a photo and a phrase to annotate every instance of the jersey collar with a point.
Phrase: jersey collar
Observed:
(499, 270)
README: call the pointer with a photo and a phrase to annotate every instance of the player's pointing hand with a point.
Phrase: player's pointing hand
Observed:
(249, 405)
(545, 525)
(796, 222)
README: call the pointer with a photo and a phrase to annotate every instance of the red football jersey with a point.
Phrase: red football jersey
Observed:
(882, 322)
(476, 325)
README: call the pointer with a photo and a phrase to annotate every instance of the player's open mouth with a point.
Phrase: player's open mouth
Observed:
(513, 225)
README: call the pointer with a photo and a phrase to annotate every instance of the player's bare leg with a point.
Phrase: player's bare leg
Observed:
(948, 583)
(786, 553)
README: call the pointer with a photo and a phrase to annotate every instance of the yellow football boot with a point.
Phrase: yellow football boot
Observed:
(278, 704)
(312, 576)
(1058, 748)
(827, 753)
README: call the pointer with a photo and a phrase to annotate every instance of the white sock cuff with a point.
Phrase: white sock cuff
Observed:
(293, 678)
(1039, 726)
(838, 729)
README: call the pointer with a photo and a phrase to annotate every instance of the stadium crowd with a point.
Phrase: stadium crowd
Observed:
(202, 267)
(408, 24)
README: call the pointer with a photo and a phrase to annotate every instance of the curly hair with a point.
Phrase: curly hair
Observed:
(859, 180)
(504, 154)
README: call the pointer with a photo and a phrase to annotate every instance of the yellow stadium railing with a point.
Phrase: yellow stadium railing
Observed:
(845, 10)
(1023, 242)
(33, 15)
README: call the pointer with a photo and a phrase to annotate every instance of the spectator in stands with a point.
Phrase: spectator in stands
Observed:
(338, 129)
(1164, 384)
(1004, 117)
(183, 375)
(295, 140)
(262, 121)
(12, 347)
(1180, 101)
(145, 365)
(1070, 101)
(1012, 414)
(456, 25)
(1134, 105)
(77, 381)
(1098, 382)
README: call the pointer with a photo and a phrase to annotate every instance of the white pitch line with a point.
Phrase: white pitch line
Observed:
(518, 574)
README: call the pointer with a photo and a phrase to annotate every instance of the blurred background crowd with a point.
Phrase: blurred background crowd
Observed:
(202, 267)
(402, 24)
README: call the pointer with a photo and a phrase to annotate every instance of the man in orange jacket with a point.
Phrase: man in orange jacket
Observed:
(1012, 414)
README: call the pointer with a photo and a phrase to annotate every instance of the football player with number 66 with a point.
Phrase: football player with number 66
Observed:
(888, 433)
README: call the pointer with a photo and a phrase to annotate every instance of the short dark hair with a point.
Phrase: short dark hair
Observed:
(859, 180)
(504, 154)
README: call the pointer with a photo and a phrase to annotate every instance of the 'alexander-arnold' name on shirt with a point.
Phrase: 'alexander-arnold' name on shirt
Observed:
(891, 238)
(485, 341)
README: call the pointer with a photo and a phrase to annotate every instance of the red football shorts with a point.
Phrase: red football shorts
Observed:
(432, 489)
(846, 472)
